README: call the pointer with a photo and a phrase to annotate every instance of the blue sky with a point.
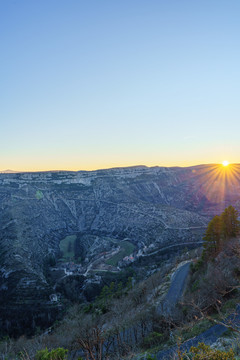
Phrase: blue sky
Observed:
(96, 83)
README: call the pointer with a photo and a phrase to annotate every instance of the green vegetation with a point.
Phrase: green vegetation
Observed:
(212, 237)
(39, 195)
(214, 286)
(149, 357)
(115, 290)
(194, 329)
(126, 249)
(121, 306)
(67, 247)
(153, 339)
(220, 230)
(195, 286)
(230, 305)
(50, 261)
(56, 354)
(204, 352)
(125, 303)
(230, 226)
(200, 352)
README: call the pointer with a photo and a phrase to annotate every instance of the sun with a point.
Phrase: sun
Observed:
(225, 163)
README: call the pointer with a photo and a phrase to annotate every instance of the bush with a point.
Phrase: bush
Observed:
(195, 286)
(204, 352)
(196, 329)
(151, 357)
(148, 357)
(56, 354)
(154, 338)
(197, 266)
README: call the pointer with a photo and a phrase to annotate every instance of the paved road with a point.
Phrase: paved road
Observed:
(176, 290)
(209, 336)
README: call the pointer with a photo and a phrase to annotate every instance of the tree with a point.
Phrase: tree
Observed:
(205, 352)
(220, 230)
(56, 354)
(91, 340)
(212, 237)
(230, 225)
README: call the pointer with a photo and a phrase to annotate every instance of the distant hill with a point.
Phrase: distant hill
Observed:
(8, 171)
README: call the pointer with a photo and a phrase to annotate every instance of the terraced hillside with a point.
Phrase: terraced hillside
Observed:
(153, 208)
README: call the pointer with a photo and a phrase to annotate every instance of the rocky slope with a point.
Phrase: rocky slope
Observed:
(151, 207)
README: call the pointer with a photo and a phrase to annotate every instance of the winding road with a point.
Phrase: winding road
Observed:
(174, 294)
(172, 297)
(175, 291)
(209, 336)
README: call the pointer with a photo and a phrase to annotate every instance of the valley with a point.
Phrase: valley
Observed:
(62, 226)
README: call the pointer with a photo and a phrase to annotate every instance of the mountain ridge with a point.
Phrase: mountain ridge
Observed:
(112, 168)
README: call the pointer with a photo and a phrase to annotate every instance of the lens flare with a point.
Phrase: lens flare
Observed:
(225, 163)
(217, 183)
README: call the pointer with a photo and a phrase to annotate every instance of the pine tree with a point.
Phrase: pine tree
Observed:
(212, 237)
(220, 229)
(230, 225)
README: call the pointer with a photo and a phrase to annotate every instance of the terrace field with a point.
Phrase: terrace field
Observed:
(67, 248)
(126, 249)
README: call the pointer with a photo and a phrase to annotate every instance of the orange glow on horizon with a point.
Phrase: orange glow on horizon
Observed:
(217, 180)
(101, 164)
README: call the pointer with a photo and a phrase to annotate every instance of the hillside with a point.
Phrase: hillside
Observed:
(124, 322)
(153, 211)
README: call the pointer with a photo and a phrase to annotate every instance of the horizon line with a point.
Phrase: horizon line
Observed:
(9, 171)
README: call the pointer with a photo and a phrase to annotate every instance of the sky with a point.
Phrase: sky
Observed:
(90, 84)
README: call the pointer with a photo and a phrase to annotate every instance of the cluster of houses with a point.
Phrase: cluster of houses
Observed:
(128, 259)
(71, 268)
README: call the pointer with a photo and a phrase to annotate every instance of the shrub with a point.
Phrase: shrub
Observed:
(197, 266)
(151, 357)
(56, 354)
(204, 352)
(154, 338)
(195, 286)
